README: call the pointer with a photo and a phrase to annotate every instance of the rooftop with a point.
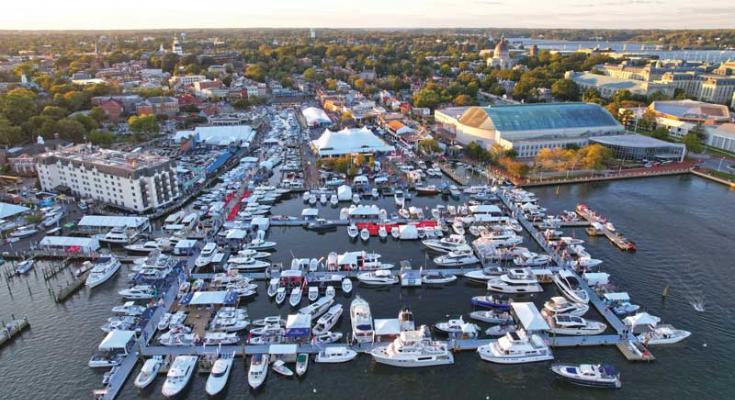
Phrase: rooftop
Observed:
(692, 110)
(634, 140)
(107, 161)
(535, 117)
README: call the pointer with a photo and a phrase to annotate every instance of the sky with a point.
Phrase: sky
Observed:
(153, 14)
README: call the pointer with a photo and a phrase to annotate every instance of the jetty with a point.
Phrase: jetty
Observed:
(603, 230)
(64, 292)
(13, 329)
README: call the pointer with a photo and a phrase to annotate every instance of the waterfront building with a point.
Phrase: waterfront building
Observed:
(349, 141)
(131, 181)
(721, 136)
(528, 128)
(639, 147)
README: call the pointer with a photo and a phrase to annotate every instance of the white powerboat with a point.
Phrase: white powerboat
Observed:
(145, 247)
(253, 253)
(365, 234)
(119, 235)
(456, 326)
(302, 361)
(516, 348)
(280, 295)
(399, 198)
(138, 292)
(500, 286)
(346, 285)
(280, 367)
(483, 275)
(663, 334)
(317, 308)
(295, 297)
(412, 349)
(437, 278)
(24, 267)
(380, 277)
(148, 372)
(273, 285)
(352, 231)
(104, 268)
(179, 375)
(220, 338)
(362, 320)
(219, 374)
(246, 264)
(492, 316)
(313, 293)
(591, 375)
(206, 255)
(382, 232)
(24, 232)
(456, 258)
(531, 259)
(447, 244)
(129, 308)
(560, 305)
(335, 354)
(258, 370)
(562, 324)
(569, 285)
(327, 321)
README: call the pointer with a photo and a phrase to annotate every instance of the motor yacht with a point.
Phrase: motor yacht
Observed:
(24, 232)
(492, 316)
(173, 339)
(148, 372)
(219, 374)
(119, 235)
(362, 320)
(295, 297)
(145, 247)
(484, 275)
(501, 329)
(499, 302)
(129, 308)
(179, 375)
(663, 334)
(104, 268)
(569, 285)
(591, 375)
(253, 253)
(258, 370)
(501, 286)
(399, 198)
(327, 321)
(335, 354)
(220, 338)
(456, 326)
(138, 292)
(317, 308)
(327, 338)
(456, 258)
(302, 363)
(412, 349)
(447, 244)
(246, 264)
(516, 348)
(313, 293)
(560, 305)
(352, 231)
(280, 295)
(273, 285)
(563, 324)
(531, 259)
(346, 285)
(380, 277)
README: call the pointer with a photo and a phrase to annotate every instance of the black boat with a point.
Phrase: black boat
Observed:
(322, 225)
(591, 375)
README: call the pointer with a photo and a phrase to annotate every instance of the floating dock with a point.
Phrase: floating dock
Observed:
(13, 329)
(614, 236)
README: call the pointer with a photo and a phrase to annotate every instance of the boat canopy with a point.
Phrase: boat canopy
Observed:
(282, 349)
(596, 278)
(309, 212)
(640, 319)
(209, 297)
(236, 234)
(617, 296)
(344, 192)
(485, 209)
(262, 222)
(298, 325)
(116, 340)
(529, 316)
(387, 327)
(363, 210)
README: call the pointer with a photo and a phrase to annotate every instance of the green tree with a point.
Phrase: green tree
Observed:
(310, 74)
(71, 130)
(55, 112)
(565, 90)
(660, 133)
(463, 100)
(426, 97)
(10, 135)
(101, 138)
(591, 96)
(18, 105)
(255, 72)
(143, 126)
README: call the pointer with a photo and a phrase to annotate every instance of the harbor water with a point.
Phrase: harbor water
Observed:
(683, 230)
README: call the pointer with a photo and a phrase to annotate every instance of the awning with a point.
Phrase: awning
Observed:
(529, 316)
(387, 327)
(640, 319)
(309, 212)
(596, 278)
(617, 296)
(116, 340)
(298, 325)
(282, 349)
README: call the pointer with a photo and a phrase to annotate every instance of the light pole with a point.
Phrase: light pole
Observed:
(720, 164)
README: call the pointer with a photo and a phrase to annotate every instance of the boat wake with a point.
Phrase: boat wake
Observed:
(697, 303)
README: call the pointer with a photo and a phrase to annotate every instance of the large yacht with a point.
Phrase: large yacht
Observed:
(362, 320)
(569, 285)
(516, 348)
(120, 235)
(205, 256)
(179, 375)
(456, 258)
(562, 324)
(104, 268)
(447, 244)
(413, 349)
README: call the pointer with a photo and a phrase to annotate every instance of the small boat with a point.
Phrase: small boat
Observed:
(334, 200)
(382, 232)
(356, 198)
(139, 292)
(146, 247)
(280, 295)
(374, 192)
(437, 278)
(280, 367)
(591, 375)
(323, 198)
(328, 320)
(206, 255)
(219, 374)
(327, 338)
(220, 338)
(501, 286)
(273, 285)
(295, 297)
(427, 190)
(346, 285)
(313, 265)
(399, 198)
(322, 225)
(313, 293)
(164, 321)
(456, 258)
(395, 232)
(302, 363)
(24, 267)
(129, 308)
(364, 235)
(179, 375)
(483, 275)
(312, 200)
(335, 354)
(258, 370)
(454, 326)
(330, 292)
(104, 268)
(352, 231)
(492, 316)
(306, 196)
(501, 329)
(271, 320)
(148, 372)
(458, 227)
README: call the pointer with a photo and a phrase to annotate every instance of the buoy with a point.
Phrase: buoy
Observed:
(313, 390)
(704, 344)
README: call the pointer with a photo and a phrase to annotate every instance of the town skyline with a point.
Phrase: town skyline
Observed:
(568, 14)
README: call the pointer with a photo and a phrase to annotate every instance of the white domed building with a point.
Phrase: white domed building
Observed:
(501, 56)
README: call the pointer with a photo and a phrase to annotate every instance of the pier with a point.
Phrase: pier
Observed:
(13, 329)
(615, 237)
(64, 292)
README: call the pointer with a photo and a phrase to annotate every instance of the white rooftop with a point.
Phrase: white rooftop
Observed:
(111, 221)
(349, 141)
(219, 135)
(116, 340)
(387, 326)
(209, 297)
(8, 210)
(529, 316)
(69, 241)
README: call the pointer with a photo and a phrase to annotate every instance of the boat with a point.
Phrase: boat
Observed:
(147, 247)
(129, 308)
(253, 253)
(530, 259)
(399, 198)
(663, 334)
(219, 374)
(280, 367)
(24, 267)
(413, 349)
(346, 285)
(501, 329)
(356, 198)
(395, 232)
(312, 199)
(220, 338)
(148, 372)
(437, 278)
(327, 338)
(330, 292)
(382, 232)
(427, 190)
(335, 354)
(492, 316)
(327, 321)
(323, 198)
(362, 320)
(104, 268)
(374, 192)
(590, 375)
(322, 225)
(118, 235)
(313, 293)
(447, 244)
(164, 322)
(280, 295)
(270, 320)
(260, 244)
(179, 375)
(380, 277)
(500, 286)
(562, 324)
(313, 265)
(246, 264)
(206, 255)
(138, 292)
(569, 285)
(458, 227)
(493, 301)
(516, 348)
(295, 297)
(483, 275)
(365, 235)
(352, 231)
(24, 232)
(306, 196)
(456, 258)
(302, 363)
(318, 307)
(52, 219)
(258, 370)
(560, 305)
(273, 285)
(453, 325)
(333, 200)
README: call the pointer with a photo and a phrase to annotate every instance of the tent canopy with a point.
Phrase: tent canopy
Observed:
(116, 340)
(309, 212)
(529, 316)
(349, 141)
(282, 349)
(209, 297)
(387, 327)
(365, 210)
(640, 319)
(9, 210)
(617, 296)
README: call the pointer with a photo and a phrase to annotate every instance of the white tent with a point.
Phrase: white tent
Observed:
(315, 116)
(310, 212)
(219, 135)
(529, 316)
(85, 245)
(209, 297)
(9, 210)
(387, 327)
(116, 340)
(617, 296)
(596, 278)
(365, 211)
(344, 193)
(349, 141)
(408, 232)
(641, 319)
